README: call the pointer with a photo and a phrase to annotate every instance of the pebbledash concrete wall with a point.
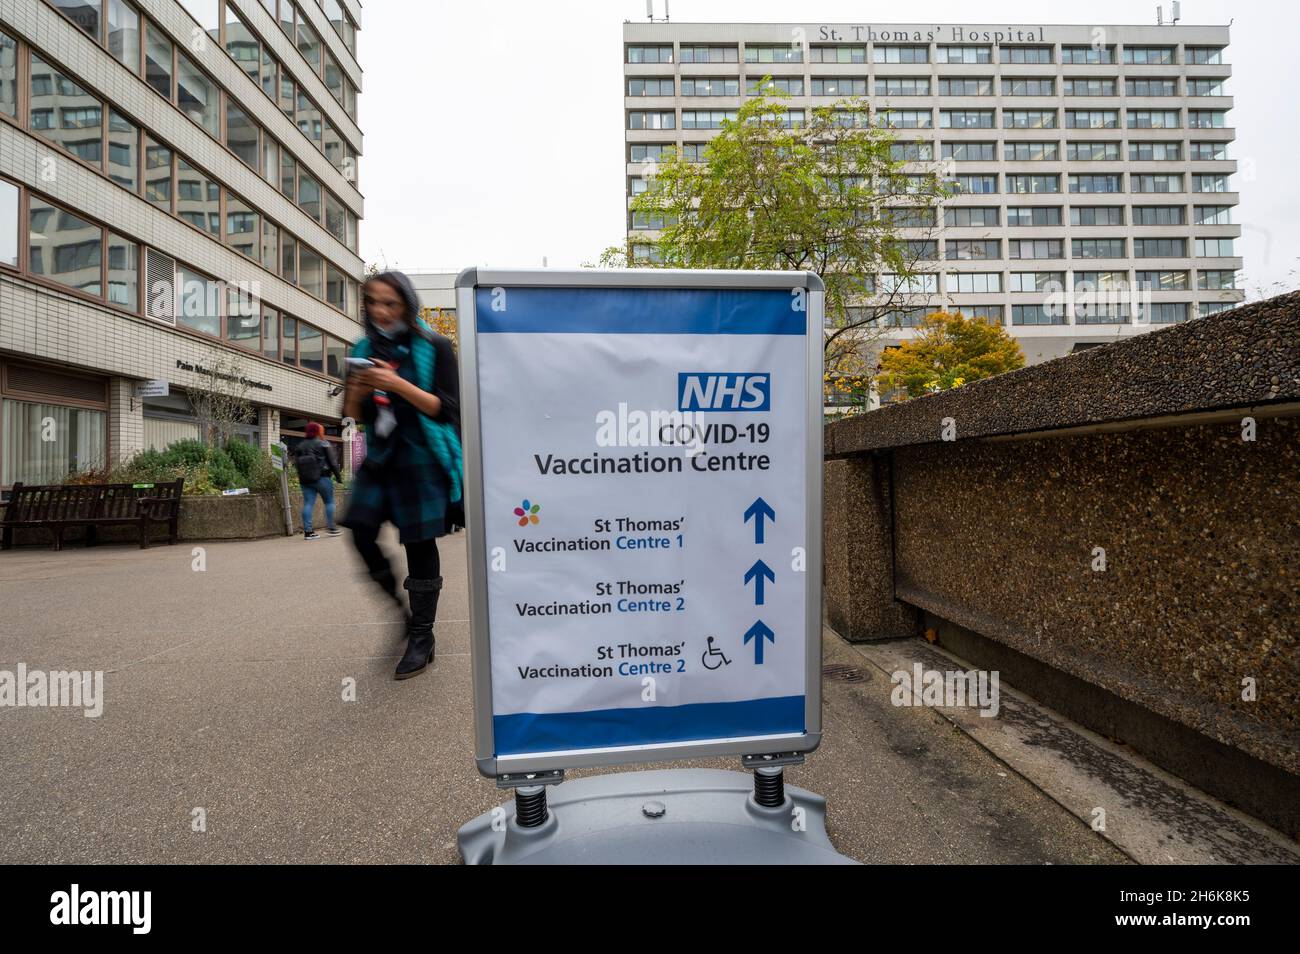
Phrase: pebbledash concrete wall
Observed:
(243, 517)
(1138, 452)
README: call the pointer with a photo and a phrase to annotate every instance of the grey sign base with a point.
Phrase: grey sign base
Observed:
(667, 817)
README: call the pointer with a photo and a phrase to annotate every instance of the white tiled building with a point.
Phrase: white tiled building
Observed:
(178, 191)
(1098, 158)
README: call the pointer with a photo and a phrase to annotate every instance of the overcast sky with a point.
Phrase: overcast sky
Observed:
(494, 130)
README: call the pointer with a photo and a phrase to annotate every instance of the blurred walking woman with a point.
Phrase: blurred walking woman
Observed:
(408, 399)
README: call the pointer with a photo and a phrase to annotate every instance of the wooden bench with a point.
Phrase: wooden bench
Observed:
(59, 506)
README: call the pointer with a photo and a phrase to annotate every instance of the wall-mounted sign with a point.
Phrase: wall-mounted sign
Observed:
(153, 388)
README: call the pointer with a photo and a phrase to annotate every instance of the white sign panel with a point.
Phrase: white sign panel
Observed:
(153, 388)
(643, 469)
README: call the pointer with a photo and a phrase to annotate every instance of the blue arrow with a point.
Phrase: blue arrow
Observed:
(760, 630)
(756, 512)
(756, 573)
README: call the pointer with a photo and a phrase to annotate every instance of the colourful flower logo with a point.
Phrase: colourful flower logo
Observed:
(527, 513)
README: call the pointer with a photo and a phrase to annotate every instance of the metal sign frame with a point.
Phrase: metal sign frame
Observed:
(469, 280)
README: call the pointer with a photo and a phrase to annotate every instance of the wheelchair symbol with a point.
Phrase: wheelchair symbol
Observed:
(713, 657)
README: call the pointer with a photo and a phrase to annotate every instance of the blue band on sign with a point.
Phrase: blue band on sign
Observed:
(639, 311)
(528, 732)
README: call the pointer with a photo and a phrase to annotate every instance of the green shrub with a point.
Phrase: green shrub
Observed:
(244, 456)
(190, 451)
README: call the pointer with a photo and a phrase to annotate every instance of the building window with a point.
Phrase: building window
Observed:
(1087, 55)
(707, 86)
(198, 198)
(1037, 282)
(123, 273)
(1216, 279)
(1149, 86)
(965, 86)
(1159, 248)
(1155, 151)
(838, 54)
(977, 216)
(1080, 86)
(1030, 215)
(965, 119)
(970, 151)
(705, 118)
(1092, 151)
(1204, 183)
(1091, 119)
(1035, 248)
(1097, 248)
(1205, 55)
(1092, 184)
(288, 258)
(1025, 54)
(1212, 214)
(335, 219)
(1166, 312)
(1214, 248)
(8, 224)
(197, 96)
(903, 86)
(709, 54)
(1161, 280)
(1158, 215)
(963, 54)
(1029, 86)
(778, 53)
(158, 60)
(242, 135)
(309, 195)
(839, 86)
(243, 319)
(1037, 315)
(335, 287)
(124, 34)
(955, 250)
(1208, 151)
(1206, 118)
(976, 184)
(64, 113)
(1030, 151)
(1149, 55)
(637, 119)
(288, 339)
(1097, 215)
(63, 247)
(123, 151)
(965, 283)
(311, 278)
(79, 444)
(1156, 183)
(198, 301)
(900, 54)
(311, 348)
(911, 151)
(242, 227)
(1206, 87)
(1153, 119)
(1029, 118)
(1033, 184)
(649, 54)
(905, 118)
(653, 86)
(792, 86)
(158, 175)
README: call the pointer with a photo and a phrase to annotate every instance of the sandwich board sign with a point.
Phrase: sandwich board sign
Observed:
(643, 456)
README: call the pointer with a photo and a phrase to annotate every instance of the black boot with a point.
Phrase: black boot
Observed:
(419, 628)
(388, 583)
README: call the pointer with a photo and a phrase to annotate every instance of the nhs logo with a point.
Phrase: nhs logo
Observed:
(724, 391)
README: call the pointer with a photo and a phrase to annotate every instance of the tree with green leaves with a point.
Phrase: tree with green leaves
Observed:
(948, 351)
(833, 195)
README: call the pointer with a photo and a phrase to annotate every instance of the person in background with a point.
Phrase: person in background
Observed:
(316, 465)
(408, 396)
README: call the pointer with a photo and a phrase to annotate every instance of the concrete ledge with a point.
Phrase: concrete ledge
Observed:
(246, 517)
(1241, 358)
(1269, 793)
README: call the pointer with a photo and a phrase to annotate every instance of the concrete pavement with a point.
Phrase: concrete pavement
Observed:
(224, 692)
